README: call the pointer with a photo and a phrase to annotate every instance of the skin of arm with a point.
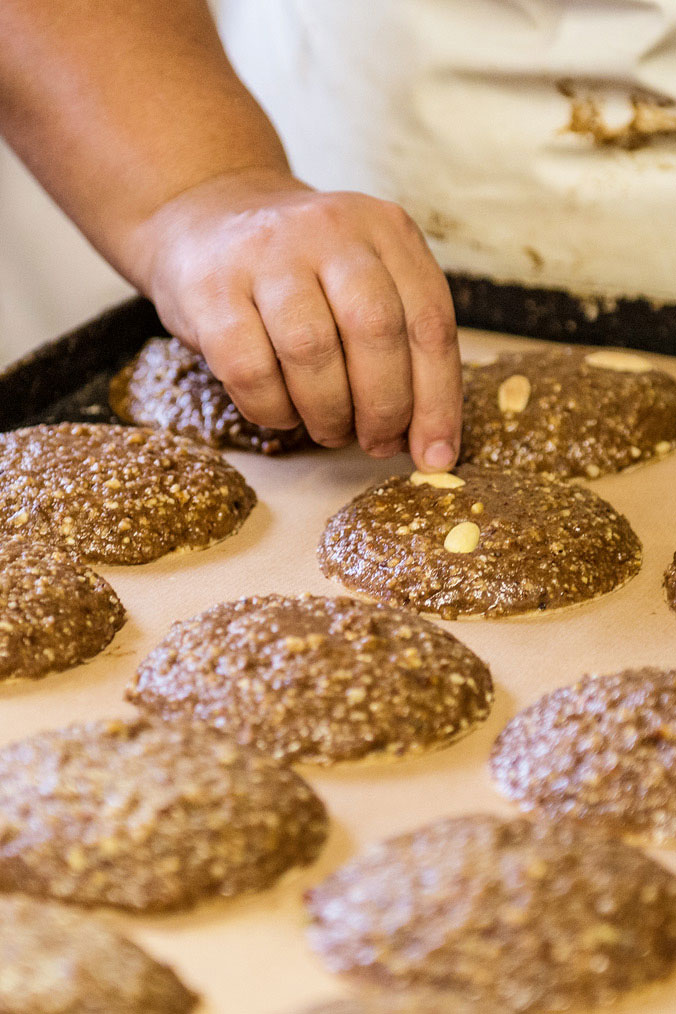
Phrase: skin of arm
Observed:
(327, 306)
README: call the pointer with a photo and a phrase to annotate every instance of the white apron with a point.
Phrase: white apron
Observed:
(459, 110)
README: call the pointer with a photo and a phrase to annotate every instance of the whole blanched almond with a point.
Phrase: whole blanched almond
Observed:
(442, 480)
(616, 359)
(463, 538)
(514, 393)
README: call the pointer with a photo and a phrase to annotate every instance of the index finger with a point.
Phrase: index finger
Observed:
(435, 430)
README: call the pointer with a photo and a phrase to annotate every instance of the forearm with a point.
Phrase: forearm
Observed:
(119, 106)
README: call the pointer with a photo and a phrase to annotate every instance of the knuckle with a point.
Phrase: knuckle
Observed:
(377, 319)
(398, 215)
(384, 412)
(246, 374)
(308, 347)
(433, 328)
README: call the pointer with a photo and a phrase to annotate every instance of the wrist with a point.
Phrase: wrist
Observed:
(153, 245)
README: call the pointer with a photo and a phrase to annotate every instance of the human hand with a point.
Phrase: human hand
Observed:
(323, 306)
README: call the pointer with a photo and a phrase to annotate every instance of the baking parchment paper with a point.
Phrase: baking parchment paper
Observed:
(249, 956)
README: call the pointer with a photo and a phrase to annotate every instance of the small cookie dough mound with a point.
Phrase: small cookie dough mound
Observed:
(480, 542)
(568, 411)
(169, 386)
(54, 960)
(149, 816)
(54, 611)
(117, 495)
(318, 680)
(602, 751)
(670, 584)
(499, 916)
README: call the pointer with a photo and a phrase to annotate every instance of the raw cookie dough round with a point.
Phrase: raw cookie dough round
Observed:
(602, 751)
(117, 495)
(54, 611)
(54, 960)
(318, 680)
(169, 386)
(491, 545)
(568, 411)
(149, 816)
(670, 583)
(500, 916)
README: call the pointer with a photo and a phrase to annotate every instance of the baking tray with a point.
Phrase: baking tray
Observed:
(249, 956)
(66, 380)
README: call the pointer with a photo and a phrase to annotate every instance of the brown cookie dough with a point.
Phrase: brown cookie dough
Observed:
(670, 583)
(54, 611)
(54, 960)
(169, 386)
(117, 495)
(568, 411)
(491, 545)
(318, 680)
(149, 816)
(602, 751)
(499, 916)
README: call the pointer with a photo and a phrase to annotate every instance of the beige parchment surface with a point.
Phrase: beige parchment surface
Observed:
(249, 956)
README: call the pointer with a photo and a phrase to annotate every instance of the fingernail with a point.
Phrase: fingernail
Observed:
(439, 456)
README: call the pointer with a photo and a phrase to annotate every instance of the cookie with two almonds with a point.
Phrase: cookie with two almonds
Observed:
(479, 542)
(569, 411)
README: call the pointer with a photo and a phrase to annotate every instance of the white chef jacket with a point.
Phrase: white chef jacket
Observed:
(533, 140)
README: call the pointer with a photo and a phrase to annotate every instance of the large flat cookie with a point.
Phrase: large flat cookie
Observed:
(481, 542)
(602, 751)
(318, 680)
(54, 960)
(499, 917)
(169, 386)
(670, 584)
(149, 816)
(54, 611)
(568, 411)
(117, 495)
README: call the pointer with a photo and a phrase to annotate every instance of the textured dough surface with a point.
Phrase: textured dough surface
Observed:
(115, 494)
(670, 583)
(149, 816)
(580, 419)
(499, 917)
(54, 960)
(602, 751)
(542, 544)
(54, 611)
(168, 386)
(317, 679)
